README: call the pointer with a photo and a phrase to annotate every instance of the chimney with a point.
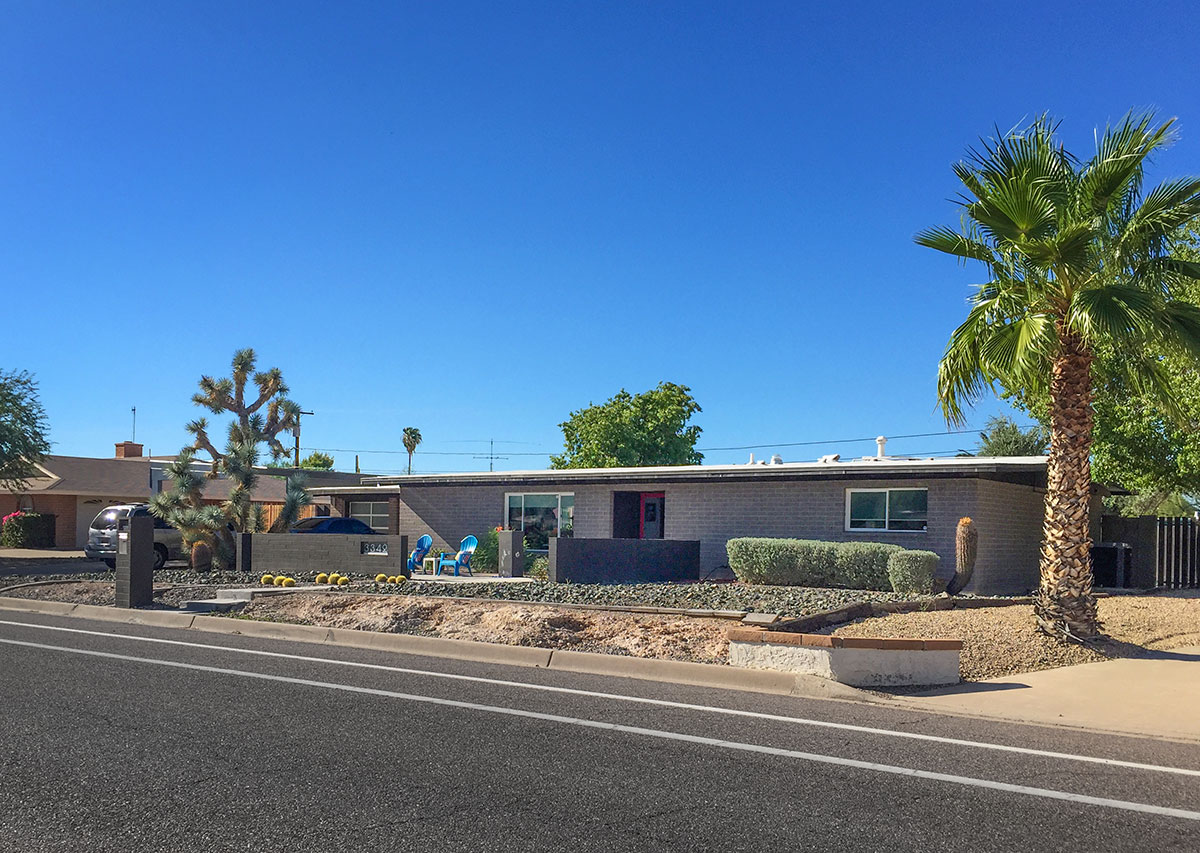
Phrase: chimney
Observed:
(880, 444)
(128, 450)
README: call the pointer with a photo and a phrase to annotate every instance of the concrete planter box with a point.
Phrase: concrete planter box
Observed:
(857, 661)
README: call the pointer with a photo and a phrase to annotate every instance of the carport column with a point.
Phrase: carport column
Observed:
(512, 553)
(135, 561)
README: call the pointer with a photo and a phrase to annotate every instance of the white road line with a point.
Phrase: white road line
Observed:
(662, 703)
(1044, 793)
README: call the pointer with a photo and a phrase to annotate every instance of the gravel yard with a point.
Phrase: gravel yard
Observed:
(1003, 641)
(786, 601)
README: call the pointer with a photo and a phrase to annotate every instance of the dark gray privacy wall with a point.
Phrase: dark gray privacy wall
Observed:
(624, 560)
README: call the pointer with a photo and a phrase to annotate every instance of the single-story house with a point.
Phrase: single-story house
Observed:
(75, 489)
(911, 502)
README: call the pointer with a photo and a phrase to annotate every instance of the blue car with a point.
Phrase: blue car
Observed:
(328, 524)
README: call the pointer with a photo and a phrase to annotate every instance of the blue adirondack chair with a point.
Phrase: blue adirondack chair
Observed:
(418, 554)
(461, 560)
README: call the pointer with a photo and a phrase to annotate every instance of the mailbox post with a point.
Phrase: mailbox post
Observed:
(135, 561)
(512, 553)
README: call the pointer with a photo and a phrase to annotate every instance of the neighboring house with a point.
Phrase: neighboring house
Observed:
(911, 502)
(75, 488)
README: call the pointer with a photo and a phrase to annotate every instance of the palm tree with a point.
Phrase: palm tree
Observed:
(1079, 258)
(412, 437)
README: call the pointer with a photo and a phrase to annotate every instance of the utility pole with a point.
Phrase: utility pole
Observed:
(133, 437)
(297, 433)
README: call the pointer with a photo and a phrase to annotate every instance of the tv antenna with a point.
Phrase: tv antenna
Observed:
(491, 455)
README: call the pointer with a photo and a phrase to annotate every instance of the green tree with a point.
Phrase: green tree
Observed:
(1003, 437)
(317, 461)
(411, 438)
(24, 432)
(1078, 258)
(257, 420)
(633, 430)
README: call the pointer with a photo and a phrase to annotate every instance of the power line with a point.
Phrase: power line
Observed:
(776, 444)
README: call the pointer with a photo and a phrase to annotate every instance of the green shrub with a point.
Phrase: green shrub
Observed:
(809, 562)
(863, 565)
(27, 530)
(792, 562)
(487, 553)
(538, 568)
(912, 572)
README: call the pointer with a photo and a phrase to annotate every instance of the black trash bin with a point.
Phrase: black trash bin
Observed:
(1111, 562)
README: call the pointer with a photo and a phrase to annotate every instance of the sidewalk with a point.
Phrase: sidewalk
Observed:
(1156, 696)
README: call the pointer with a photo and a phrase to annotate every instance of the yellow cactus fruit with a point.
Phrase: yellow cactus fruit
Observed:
(268, 579)
(381, 578)
(289, 581)
(322, 578)
(343, 581)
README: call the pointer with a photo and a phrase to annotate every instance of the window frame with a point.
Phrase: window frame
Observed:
(386, 529)
(522, 495)
(887, 510)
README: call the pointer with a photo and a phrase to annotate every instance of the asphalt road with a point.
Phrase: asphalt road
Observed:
(113, 740)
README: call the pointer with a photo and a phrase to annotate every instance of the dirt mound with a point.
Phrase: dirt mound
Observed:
(637, 635)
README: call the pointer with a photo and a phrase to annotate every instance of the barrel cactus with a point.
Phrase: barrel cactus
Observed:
(966, 548)
(201, 557)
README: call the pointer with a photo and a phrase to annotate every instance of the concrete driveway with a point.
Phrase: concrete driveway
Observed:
(1156, 696)
(49, 561)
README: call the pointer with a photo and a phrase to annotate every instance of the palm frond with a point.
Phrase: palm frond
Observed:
(946, 239)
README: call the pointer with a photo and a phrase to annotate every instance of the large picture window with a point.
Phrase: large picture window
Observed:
(542, 517)
(903, 510)
(372, 513)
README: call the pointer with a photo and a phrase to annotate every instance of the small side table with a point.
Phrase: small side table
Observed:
(429, 565)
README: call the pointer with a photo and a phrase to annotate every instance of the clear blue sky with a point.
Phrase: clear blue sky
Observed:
(476, 217)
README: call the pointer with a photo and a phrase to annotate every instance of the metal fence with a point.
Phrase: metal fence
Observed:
(1178, 557)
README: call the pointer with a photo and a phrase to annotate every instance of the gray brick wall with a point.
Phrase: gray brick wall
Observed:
(1009, 520)
(303, 555)
(717, 512)
(448, 513)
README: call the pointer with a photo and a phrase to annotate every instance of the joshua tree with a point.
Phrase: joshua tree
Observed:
(412, 437)
(1077, 257)
(258, 421)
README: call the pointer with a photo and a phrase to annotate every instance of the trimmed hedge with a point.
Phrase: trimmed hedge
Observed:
(809, 562)
(27, 530)
(912, 572)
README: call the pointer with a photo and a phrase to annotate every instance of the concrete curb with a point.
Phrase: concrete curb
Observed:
(588, 663)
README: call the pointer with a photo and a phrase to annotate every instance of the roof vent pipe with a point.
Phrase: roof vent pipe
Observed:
(881, 444)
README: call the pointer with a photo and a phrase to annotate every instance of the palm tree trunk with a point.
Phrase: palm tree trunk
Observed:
(1065, 606)
(410, 453)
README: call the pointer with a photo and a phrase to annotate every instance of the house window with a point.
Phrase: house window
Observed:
(371, 513)
(904, 510)
(542, 517)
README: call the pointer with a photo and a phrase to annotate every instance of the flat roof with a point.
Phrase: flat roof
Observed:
(1017, 468)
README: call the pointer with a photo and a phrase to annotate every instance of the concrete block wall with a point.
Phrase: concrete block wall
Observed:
(717, 512)
(1009, 520)
(448, 513)
(306, 554)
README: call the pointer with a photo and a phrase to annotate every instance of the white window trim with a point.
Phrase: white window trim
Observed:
(887, 519)
(559, 495)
